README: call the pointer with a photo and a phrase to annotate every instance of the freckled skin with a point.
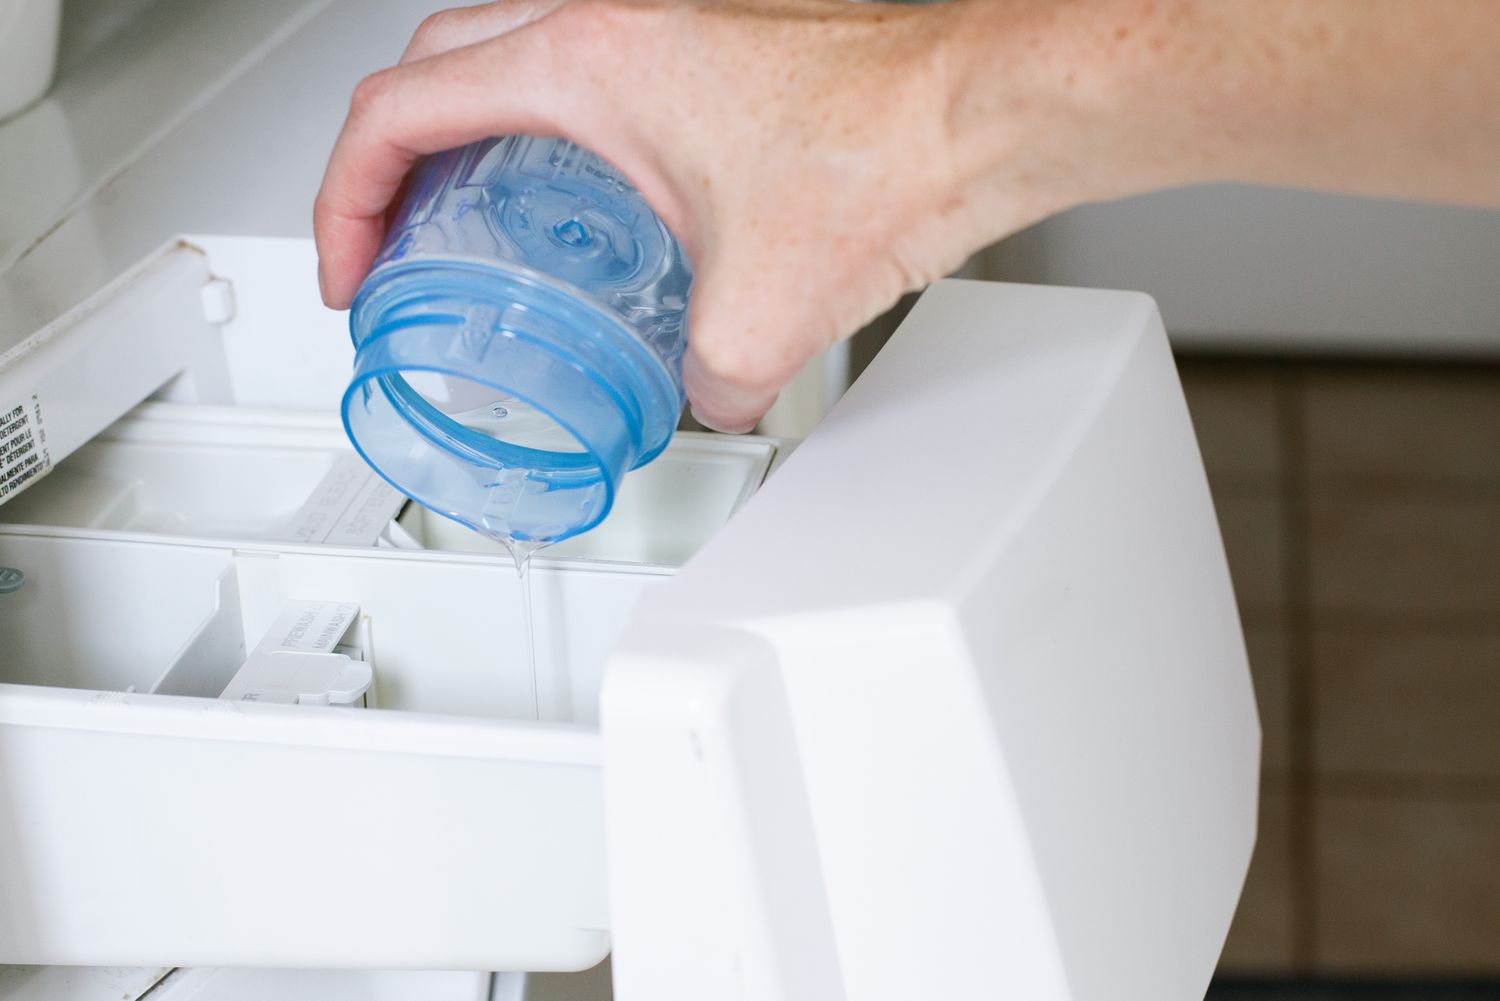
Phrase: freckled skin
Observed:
(818, 158)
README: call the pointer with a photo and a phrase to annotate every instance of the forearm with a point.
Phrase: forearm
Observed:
(817, 158)
(1382, 97)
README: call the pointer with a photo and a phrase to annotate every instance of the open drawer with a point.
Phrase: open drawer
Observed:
(453, 821)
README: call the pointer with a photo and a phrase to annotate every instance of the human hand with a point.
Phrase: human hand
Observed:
(799, 149)
(818, 158)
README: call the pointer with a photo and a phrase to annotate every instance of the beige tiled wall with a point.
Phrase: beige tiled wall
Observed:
(1239, 411)
(1360, 506)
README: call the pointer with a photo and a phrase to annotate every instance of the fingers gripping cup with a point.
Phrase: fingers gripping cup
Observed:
(518, 343)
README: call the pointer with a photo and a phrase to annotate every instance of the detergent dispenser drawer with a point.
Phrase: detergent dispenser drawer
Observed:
(175, 791)
(193, 775)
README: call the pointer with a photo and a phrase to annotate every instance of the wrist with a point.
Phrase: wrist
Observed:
(1071, 101)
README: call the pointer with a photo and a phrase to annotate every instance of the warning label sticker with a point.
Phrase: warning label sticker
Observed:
(23, 446)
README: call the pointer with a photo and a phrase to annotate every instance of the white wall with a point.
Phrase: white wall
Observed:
(1242, 268)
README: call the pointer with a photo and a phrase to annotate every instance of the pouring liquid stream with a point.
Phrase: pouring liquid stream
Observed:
(520, 552)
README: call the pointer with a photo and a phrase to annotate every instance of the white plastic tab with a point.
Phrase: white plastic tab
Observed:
(218, 301)
(298, 662)
(350, 506)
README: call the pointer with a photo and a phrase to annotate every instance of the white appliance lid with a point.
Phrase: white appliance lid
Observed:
(957, 705)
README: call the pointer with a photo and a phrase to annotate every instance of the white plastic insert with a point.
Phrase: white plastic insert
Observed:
(303, 660)
(231, 473)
